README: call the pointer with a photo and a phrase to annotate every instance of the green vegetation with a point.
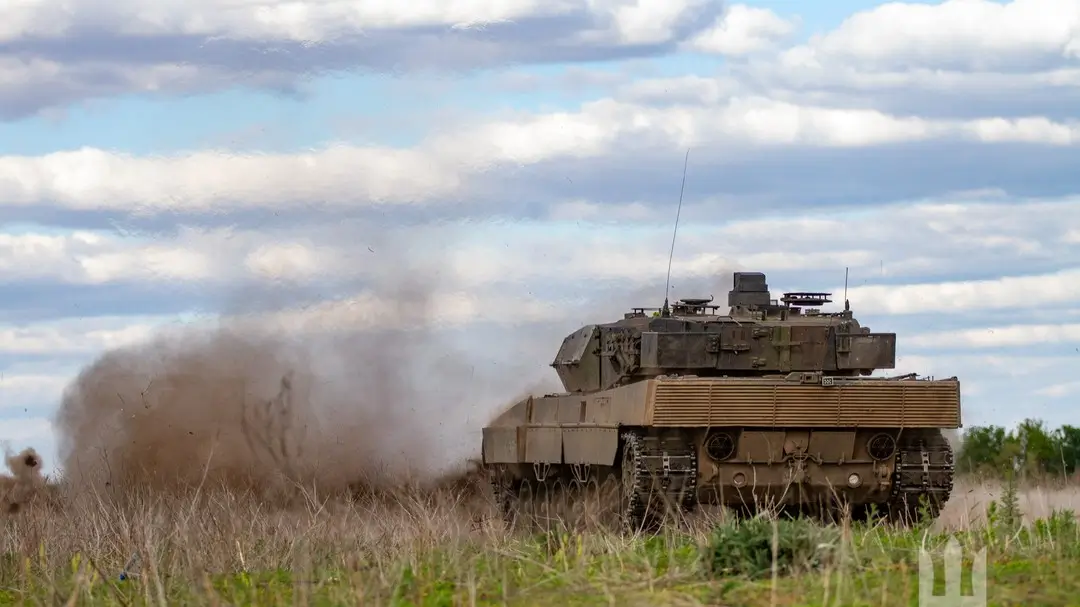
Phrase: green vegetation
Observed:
(1029, 451)
(223, 549)
(219, 546)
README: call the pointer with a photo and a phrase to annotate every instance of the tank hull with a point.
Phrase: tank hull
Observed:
(804, 440)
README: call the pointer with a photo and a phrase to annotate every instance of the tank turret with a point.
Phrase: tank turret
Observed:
(757, 336)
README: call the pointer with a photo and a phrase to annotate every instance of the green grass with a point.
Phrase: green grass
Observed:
(224, 549)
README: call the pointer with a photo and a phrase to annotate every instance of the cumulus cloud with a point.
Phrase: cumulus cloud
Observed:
(1024, 50)
(22, 394)
(995, 337)
(311, 21)
(56, 53)
(744, 30)
(951, 58)
(316, 21)
(27, 431)
(954, 59)
(73, 336)
(889, 243)
(458, 165)
(955, 34)
(30, 82)
(964, 295)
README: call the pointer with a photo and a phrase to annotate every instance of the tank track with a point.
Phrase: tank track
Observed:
(656, 473)
(504, 489)
(924, 469)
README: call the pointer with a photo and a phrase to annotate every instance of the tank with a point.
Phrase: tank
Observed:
(768, 403)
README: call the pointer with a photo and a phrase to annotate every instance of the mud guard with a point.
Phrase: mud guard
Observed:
(596, 445)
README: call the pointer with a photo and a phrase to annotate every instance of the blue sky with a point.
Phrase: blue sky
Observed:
(169, 165)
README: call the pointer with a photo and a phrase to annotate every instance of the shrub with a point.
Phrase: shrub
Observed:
(745, 547)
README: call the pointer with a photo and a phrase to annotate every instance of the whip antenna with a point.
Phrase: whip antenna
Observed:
(847, 304)
(667, 284)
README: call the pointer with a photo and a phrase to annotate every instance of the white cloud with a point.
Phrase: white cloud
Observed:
(977, 366)
(369, 309)
(25, 392)
(688, 89)
(967, 295)
(996, 388)
(319, 21)
(77, 336)
(316, 21)
(344, 175)
(976, 34)
(1060, 390)
(642, 21)
(1025, 130)
(295, 261)
(807, 77)
(743, 30)
(978, 45)
(29, 83)
(960, 57)
(951, 57)
(62, 52)
(996, 337)
(302, 20)
(95, 179)
(26, 431)
(90, 257)
(925, 239)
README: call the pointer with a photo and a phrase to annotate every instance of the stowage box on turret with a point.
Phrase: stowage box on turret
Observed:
(770, 404)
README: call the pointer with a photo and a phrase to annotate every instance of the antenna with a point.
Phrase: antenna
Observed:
(847, 304)
(666, 311)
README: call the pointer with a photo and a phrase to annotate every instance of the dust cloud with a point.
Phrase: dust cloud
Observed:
(257, 402)
(274, 405)
(23, 483)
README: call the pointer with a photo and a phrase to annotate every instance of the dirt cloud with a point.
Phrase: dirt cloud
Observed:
(23, 482)
(314, 400)
(272, 404)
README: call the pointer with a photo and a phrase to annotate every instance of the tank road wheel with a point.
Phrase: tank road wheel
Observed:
(557, 501)
(590, 504)
(527, 503)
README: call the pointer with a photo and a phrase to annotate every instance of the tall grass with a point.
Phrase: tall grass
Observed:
(449, 546)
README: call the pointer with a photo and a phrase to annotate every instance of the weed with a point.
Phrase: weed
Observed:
(752, 547)
(222, 547)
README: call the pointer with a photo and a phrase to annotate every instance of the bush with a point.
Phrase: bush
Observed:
(745, 547)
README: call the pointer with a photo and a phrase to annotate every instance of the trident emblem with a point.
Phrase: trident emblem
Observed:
(953, 563)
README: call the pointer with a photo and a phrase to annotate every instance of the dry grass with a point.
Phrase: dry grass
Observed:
(967, 507)
(446, 546)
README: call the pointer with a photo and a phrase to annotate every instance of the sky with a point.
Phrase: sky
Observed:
(166, 163)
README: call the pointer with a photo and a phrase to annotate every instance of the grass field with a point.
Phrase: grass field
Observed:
(448, 548)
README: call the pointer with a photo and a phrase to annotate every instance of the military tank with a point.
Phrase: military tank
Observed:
(773, 403)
